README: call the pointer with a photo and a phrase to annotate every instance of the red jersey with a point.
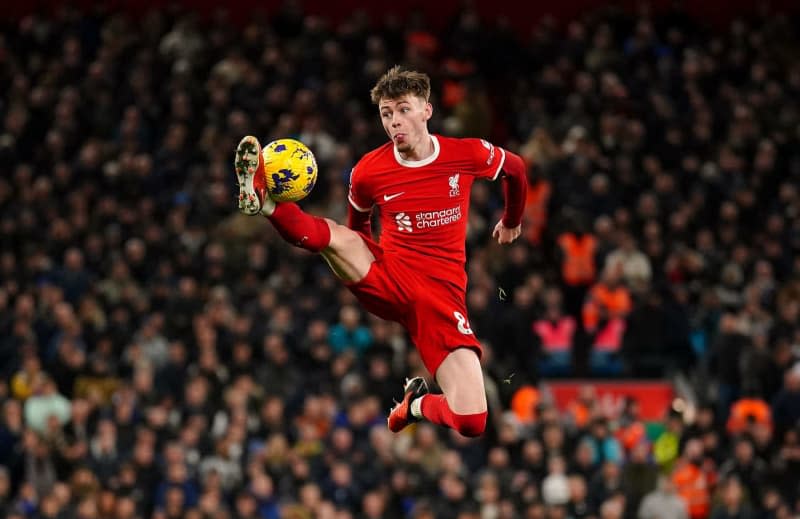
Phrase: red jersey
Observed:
(424, 204)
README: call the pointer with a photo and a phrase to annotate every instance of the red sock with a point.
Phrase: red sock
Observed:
(435, 409)
(299, 228)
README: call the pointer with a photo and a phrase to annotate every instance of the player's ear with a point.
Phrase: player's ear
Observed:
(428, 111)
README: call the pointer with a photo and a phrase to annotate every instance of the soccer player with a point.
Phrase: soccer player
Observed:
(415, 275)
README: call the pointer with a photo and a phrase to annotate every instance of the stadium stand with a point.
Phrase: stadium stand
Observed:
(162, 356)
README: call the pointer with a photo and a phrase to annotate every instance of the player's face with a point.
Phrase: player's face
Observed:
(406, 122)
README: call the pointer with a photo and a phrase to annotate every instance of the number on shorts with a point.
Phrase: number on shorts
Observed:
(463, 324)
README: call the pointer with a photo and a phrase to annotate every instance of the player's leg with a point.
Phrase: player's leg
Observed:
(461, 378)
(347, 254)
(450, 352)
(463, 404)
(343, 249)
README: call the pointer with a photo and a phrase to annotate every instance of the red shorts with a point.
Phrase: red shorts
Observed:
(434, 312)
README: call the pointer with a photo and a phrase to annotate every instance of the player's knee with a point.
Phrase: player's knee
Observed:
(343, 238)
(471, 425)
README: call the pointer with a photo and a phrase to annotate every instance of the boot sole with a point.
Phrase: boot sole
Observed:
(248, 153)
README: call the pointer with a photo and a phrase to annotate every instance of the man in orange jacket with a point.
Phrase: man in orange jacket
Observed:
(693, 480)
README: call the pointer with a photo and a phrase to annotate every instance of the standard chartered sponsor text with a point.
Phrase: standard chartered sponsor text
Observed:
(438, 218)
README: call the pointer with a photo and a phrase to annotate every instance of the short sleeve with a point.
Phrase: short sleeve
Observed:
(357, 194)
(488, 159)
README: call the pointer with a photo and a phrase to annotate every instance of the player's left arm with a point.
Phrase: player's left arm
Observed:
(492, 162)
(515, 186)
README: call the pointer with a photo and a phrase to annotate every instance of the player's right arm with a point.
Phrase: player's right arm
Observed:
(359, 220)
(359, 210)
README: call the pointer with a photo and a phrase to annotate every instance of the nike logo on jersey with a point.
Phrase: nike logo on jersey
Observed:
(386, 198)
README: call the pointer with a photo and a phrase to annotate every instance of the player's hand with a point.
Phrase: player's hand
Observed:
(505, 234)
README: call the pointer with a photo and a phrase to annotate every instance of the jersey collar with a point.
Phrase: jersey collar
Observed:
(418, 163)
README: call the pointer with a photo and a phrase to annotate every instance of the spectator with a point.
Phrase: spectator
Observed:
(348, 334)
(24, 382)
(726, 351)
(556, 331)
(538, 152)
(692, 481)
(73, 279)
(5, 490)
(733, 501)
(663, 502)
(604, 312)
(577, 249)
(578, 506)
(605, 447)
(635, 265)
(11, 431)
(786, 405)
(640, 476)
(613, 508)
(748, 470)
(606, 484)
(555, 487)
(746, 412)
(453, 496)
(40, 470)
(44, 405)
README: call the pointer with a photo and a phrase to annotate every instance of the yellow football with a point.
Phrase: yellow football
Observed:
(290, 168)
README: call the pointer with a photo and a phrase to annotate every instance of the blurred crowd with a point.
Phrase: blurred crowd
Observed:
(162, 356)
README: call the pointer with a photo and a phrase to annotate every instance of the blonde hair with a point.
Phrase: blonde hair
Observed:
(398, 82)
